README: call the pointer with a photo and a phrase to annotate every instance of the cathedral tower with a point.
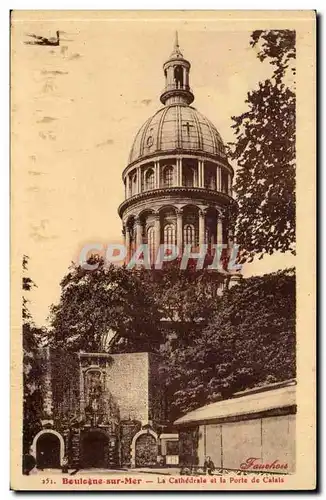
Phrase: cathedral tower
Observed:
(178, 179)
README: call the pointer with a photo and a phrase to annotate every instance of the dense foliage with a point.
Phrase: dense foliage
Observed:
(95, 302)
(264, 152)
(249, 341)
(133, 305)
(212, 346)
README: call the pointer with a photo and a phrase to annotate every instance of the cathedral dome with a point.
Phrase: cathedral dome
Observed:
(178, 181)
(176, 128)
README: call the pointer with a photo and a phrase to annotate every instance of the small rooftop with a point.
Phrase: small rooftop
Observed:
(245, 403)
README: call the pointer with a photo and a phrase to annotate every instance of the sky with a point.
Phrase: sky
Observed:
(76, 109)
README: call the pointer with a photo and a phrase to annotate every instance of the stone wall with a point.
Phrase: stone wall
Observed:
(127, 381)
(131, 378)
(133, 381)
(128, 428)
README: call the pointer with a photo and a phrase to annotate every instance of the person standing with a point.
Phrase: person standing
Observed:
(64, 466)
(209, 465)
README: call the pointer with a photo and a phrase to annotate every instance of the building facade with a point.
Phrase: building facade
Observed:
(97, 413)
(178, 181)
(252, 431)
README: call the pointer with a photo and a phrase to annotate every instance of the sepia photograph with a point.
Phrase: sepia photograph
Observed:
(162, 208)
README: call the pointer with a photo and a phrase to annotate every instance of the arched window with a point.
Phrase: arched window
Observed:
(188, 177)
(151, 244)
(149, 179)
(169, 234)
(189, 234)
(178, 76)
(168, 176)
(224, 182)
(210, 181)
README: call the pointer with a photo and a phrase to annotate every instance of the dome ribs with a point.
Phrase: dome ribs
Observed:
(160, 127)
(200, 135)
(198, 128)
(142, 141)
(213, 134)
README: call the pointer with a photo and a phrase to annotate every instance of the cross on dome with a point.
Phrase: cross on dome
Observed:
(187, 125)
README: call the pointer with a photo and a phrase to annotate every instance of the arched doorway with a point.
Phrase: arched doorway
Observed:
(48, 451)
(146, 450)
(95, 450)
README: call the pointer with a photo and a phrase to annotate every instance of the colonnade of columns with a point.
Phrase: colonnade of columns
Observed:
(134, 233)
(133, 188)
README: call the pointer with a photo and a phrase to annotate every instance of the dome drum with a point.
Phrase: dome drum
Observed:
(189, 172)
(179, 225)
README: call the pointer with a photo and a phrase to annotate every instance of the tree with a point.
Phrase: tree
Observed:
(96, 301)
(140, 307)
(250, 341)
(264, 151)
(32, 370)
(187, 298)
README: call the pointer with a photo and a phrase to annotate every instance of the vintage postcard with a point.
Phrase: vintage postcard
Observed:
(163, 171)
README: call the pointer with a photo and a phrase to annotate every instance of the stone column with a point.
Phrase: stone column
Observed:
(218, 178)
(175, 175)
(179, 231)
(157, 231)
(200, 173)
(179, 171)
(219, 229)
(127, 243)
(201, 227)
(170, 75)
(139, 236)
(184, 77)
(127, 186)
(139, 180)
(158, 174)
